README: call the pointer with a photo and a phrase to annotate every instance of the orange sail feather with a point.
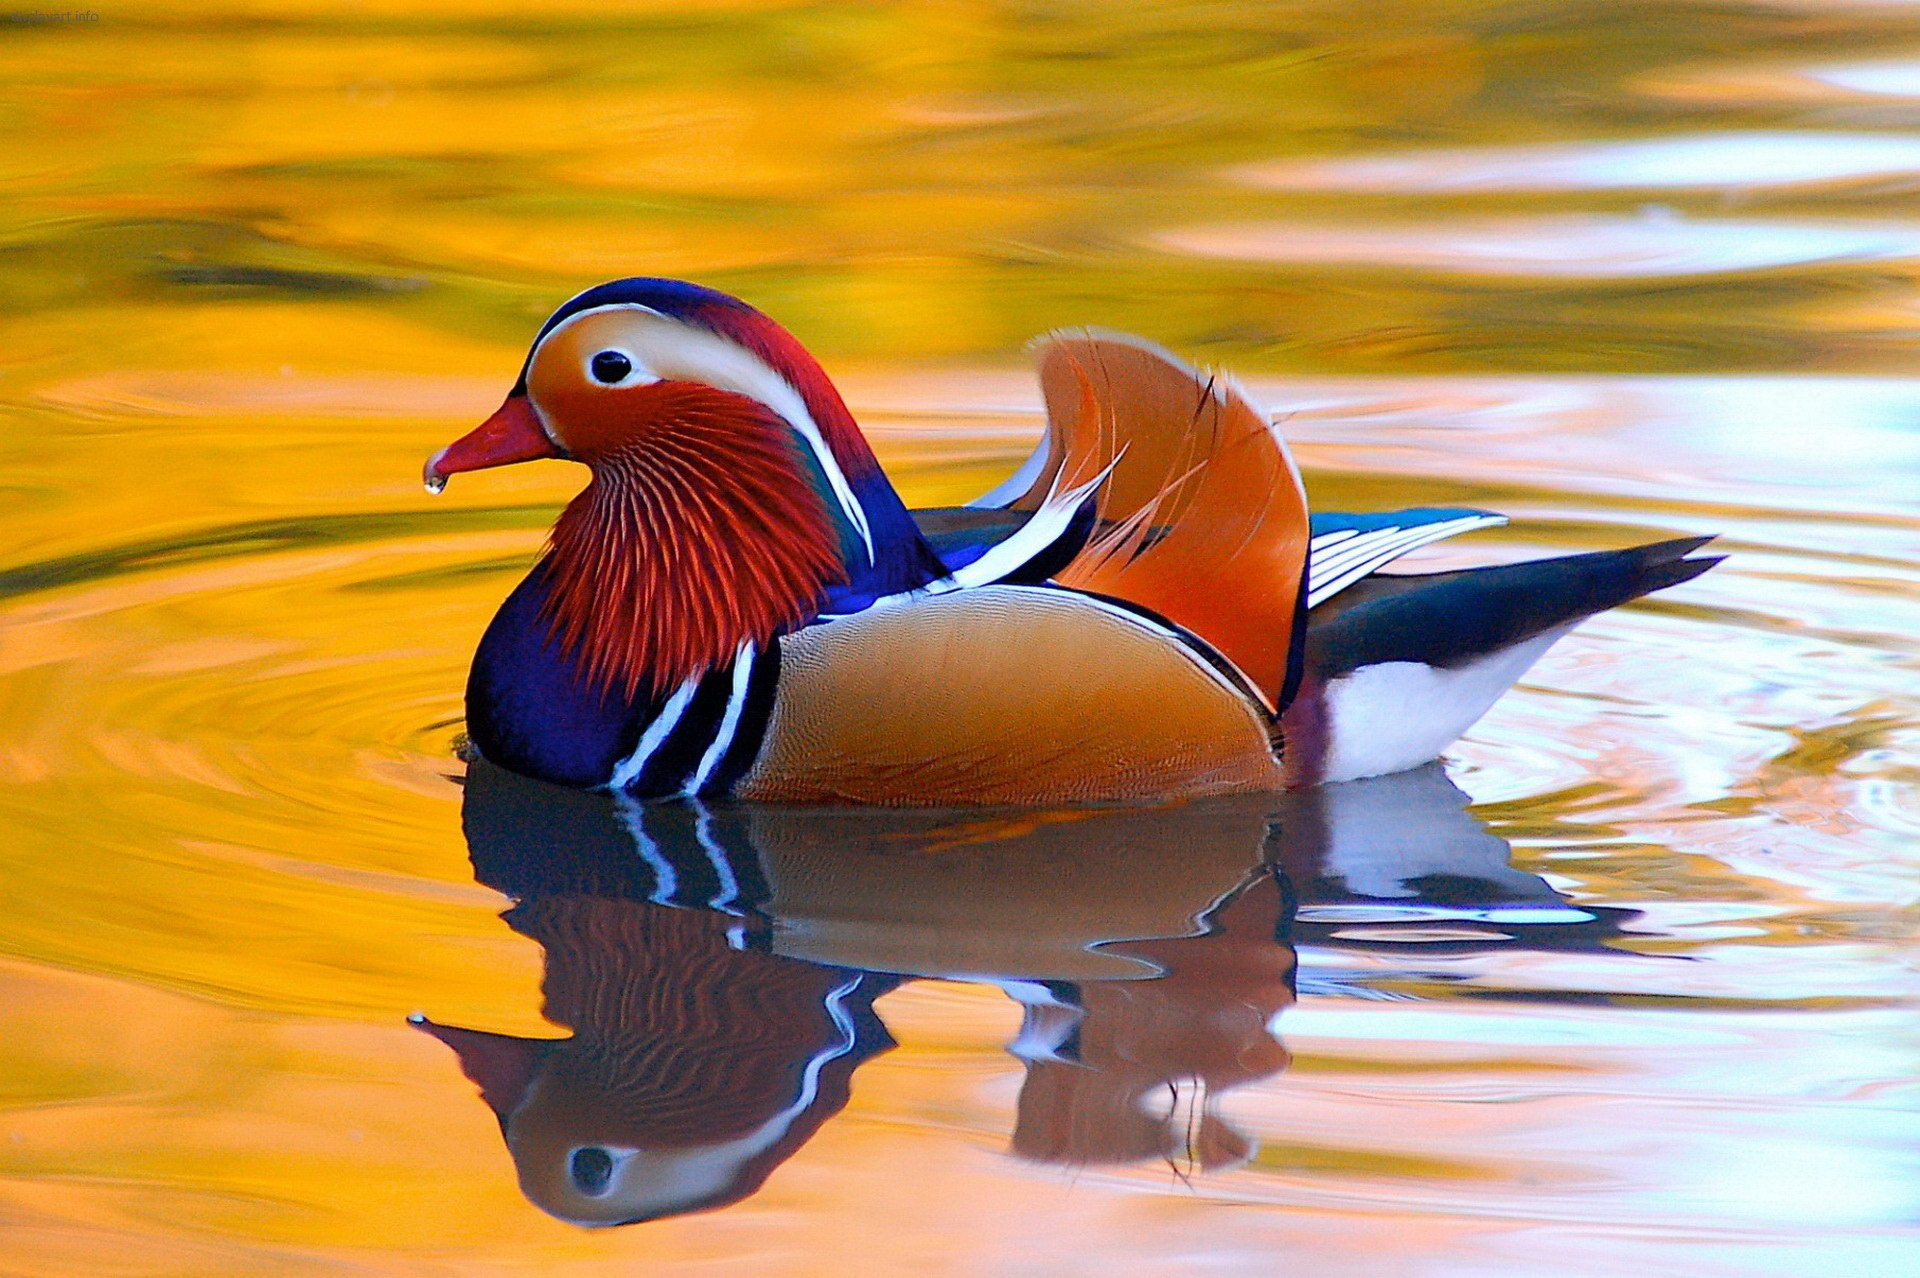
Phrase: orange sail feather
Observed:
(1203, 518)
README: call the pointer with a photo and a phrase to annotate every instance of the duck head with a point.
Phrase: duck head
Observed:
(732, 496)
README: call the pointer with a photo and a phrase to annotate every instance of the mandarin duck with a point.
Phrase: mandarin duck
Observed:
(739, 603)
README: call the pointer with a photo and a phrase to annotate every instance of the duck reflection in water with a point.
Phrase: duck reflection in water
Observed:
(718, 966)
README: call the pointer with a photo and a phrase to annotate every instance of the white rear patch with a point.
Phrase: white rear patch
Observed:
(1401, 714)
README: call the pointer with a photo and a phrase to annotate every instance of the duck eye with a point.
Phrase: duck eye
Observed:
(611, 367)
(592, 1170)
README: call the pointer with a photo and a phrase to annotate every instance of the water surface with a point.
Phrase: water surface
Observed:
(1623, 272)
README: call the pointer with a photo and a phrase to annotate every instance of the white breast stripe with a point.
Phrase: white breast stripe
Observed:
(627, 771)
(1355, 557)
(729, 723)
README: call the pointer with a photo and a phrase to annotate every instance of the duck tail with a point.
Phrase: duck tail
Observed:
(1449, 619)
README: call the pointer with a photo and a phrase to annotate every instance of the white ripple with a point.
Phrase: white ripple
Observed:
(1882, 79)
(1778, 158)
(1428, 1024)
(1653, 244)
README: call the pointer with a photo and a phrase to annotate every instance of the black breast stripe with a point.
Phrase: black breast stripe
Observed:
(678, 757)
(728, 710)
(751, 729)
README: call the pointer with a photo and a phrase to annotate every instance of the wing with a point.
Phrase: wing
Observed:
(978, 545)
(1200, 517)
(1453, 619)
(1005, 694)
(1346, 548)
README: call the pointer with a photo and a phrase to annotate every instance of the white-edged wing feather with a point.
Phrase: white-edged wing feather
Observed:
(1342, 556)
